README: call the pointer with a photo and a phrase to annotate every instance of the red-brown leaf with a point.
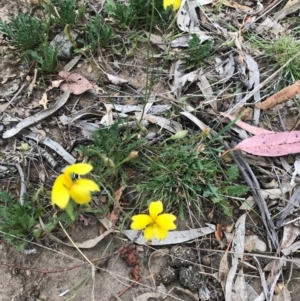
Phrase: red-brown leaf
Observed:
(272, 145)
(75, 83)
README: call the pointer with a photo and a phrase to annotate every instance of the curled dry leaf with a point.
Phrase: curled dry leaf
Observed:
(290, 233)
(116, 80)
(187, 18)
(223, 270)
(238, 7)
(150, 296)
(269, 25)
(88, 244)
(254, 244)
(206, 89)
(282, 293)
(290, 7)
(240, 293)
(291, 249)
(170, 125)
(174, 237)
(75, 83)
(44, 100)
(51, 144)
(281, 96)
(272, 144)
(270, 185)
(247, 127)
(37, 117)
(115, 213)
(238, 243)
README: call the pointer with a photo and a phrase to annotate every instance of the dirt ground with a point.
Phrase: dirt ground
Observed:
(46, 279)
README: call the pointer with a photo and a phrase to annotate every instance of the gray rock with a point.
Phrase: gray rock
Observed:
(190, 278)
(181, 257)
(167, 275)
(64, 46)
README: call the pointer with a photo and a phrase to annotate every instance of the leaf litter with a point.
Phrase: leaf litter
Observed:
(202, 96)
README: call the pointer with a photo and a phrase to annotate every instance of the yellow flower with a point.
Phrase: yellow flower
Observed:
(79, 190)
(155, 224)
(174, 3)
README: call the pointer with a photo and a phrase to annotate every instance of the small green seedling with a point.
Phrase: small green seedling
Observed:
(62, 12)
(24, 31)
(46, 57)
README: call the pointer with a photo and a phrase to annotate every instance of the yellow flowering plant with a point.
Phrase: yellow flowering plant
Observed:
(155, 224)
(65, 187)
(174, 3)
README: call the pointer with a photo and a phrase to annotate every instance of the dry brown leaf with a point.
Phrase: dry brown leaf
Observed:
(174, 237)
(271, 145)
(290, 233)
(55, 84)
(240, 293)
(219, 235)
(282, 293)
(107, 119)
(281, 96)
(44, 100)
(116, 80)
(270, 185)
(75, 83)
(254, 244)
(90, 243)
(247, 127)
(115, 213)
(238, 7)
(223, 270)
(238, 243)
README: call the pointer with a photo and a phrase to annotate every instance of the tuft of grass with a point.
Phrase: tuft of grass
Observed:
(110, 152)
(24, 31)
(30, 35)
(279, 52)
(179, 172)
(62, 12)
(17, 220)
(188, 172)
(46, 58)
(197, 52)
(138, 13)
(98, 33)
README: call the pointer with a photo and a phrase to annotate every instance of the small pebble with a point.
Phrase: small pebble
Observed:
(181, 257)
(190, 278)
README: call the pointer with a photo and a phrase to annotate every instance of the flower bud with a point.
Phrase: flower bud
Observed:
(179, 135)
(133, 155)
(24, 147)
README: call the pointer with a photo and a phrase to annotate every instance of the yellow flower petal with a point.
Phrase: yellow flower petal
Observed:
(154, 231)
(78, 168)
(149, 232)
(140, 221)
(90, 185)
(166, 221)
(60, 195)
(174, 3)
(68, 182)
(160, 233)
(80, 193)
(155, 208)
